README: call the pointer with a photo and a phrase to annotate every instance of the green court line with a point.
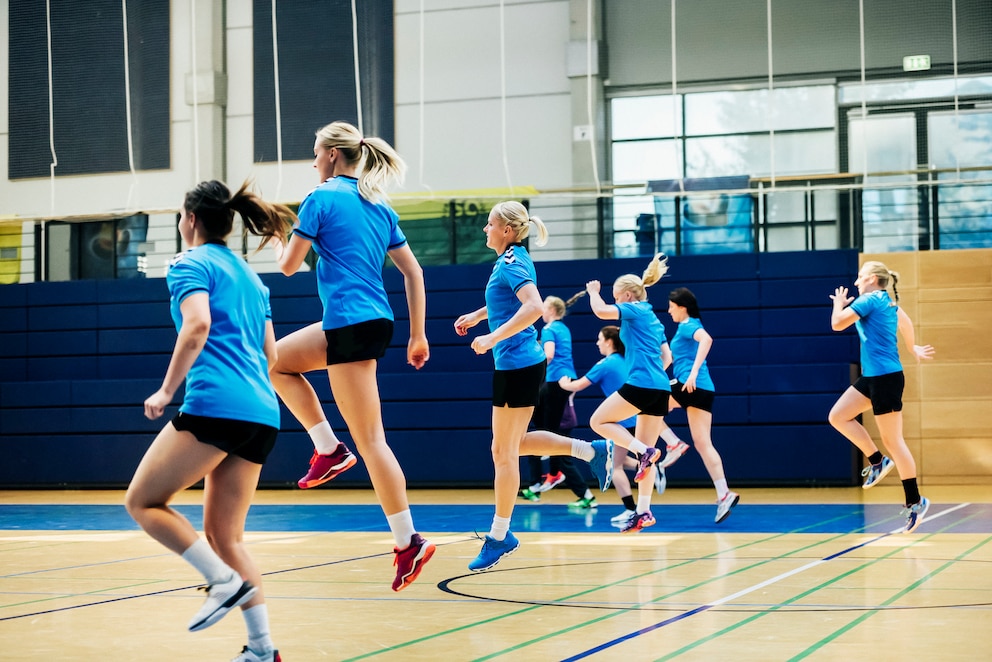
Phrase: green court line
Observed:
(750, 619)
(603, 586)
(912, 587)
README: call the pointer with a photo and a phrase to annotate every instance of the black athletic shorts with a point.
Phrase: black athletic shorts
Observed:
(520, 387)
(358, 342)
(649, 401)
(700, 398)
(884, 391)
(251, 441)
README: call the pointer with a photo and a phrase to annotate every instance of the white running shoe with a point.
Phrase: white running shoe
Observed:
(222, 598)
(660, 480)
(248, 655)
(622, 517)
(724, 505)
(673, 454)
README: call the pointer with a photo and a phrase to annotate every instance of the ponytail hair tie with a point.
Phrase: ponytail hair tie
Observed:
(361, 142)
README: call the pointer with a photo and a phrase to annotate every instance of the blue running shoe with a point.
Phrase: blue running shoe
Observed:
(493, 552)
(602, 463)
(915, 513)
(876, 472)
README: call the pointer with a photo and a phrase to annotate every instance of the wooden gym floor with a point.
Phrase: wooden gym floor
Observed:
(793, 574)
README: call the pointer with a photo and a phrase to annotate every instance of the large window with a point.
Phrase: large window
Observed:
(96, 250)
(91, 75)
(317, 72)
(715, 138)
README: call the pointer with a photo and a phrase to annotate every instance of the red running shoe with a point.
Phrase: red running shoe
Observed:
(410, 561)
(325, 467)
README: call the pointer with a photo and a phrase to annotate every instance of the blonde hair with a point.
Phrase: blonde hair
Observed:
(883, 275)
(379, 163)
(515, 216)
(654, 272)
(556, 304)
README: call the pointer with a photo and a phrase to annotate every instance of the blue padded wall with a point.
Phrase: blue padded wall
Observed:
(77, 360)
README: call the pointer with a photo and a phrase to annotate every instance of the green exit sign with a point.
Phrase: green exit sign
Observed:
(916, 63)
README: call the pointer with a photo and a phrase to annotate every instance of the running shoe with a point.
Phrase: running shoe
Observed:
(410, 561)
(602, 463)
(875, 472)
(493, 552)
(248, 655)
(326, 467)
(584, 504)
(673, 453)
(724, 505)
(530, 494)
(660, 479)
(622, 517)
(221, 598)
(551, 481)
(915, 514)
(637, 522)
(649, 457)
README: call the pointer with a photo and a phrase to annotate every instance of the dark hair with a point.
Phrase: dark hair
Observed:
(611, 333)
(683, 296)
(214, 206)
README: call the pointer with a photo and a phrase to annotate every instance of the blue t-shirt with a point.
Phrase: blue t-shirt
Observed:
(609, 374)
(643, 335)
(684, 348)
(230, 377)
(513, 269)
(351, 236)
(561, 363)
(878, 329)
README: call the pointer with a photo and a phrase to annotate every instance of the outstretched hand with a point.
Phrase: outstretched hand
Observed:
(840, 297)
(923, 352)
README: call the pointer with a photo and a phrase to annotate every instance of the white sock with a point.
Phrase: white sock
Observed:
(257, 622)
(721, 488)
(671, 439)
(582, 450)
(588, 494)
(499, 528)
(401, 524)
(637, 447)
(323, 438)
(202, 557)
(643, 503)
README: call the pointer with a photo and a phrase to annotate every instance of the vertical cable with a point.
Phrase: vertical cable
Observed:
(589, 99)
(676, 129)
(358, 78)
(127, 109)
(864, 90)
(502, 90)
(420, 166)
(771, 97)
(954, 43)
(196, 98)
(51, 107)
(278, 99)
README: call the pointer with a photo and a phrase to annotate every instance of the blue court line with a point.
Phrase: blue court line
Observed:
(543, 518)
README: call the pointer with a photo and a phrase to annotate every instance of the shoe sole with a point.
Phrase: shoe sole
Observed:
(418, 564)
(886, 470)
(640, 527)
(737, 497)
(496, 562)
(243, 595)
(331, 474)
